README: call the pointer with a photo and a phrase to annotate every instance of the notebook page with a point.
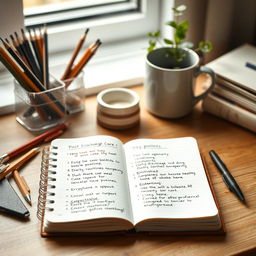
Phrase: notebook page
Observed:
(91, 180)
(167, 179)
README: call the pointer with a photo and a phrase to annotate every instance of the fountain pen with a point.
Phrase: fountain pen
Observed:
(226, 175)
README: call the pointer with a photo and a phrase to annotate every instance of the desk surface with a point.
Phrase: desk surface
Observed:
(235, 145)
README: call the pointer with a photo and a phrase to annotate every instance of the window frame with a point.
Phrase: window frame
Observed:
(67, 12)
(117, 45)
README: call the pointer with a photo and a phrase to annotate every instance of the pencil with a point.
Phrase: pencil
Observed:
(26, 81)
(39, 43)
(75, 53)
(44, 137)
(19, 162)
(37, 51)
(45, 59)
(19, 50)
(23, 187)
(23, 51)
(89, 52)
(31, 56)
(13, 71)
(23, 65)
(30, 74)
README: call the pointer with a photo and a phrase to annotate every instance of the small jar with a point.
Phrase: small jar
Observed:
(118, 108)
(40, 111)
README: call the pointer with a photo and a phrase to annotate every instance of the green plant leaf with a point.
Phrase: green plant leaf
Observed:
(181, 8)
(172, 24)
(180, 34)
(152, 45)
(167, 41)
(151, 48)
(178, 11)
(157, 33)
(184, 25)
(205, 46)
(152, 42)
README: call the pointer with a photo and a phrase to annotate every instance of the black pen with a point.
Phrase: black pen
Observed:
(226, 175)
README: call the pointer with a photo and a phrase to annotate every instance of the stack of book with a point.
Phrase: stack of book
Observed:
(234, 95)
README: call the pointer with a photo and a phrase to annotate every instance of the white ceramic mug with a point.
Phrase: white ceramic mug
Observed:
(169, 84)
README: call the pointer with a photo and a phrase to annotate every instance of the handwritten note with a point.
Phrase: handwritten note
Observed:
(95, 179)
(164, 177)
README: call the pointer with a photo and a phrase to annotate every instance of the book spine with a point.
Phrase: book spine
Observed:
(234, 97)
(45, 186)
(230, 112)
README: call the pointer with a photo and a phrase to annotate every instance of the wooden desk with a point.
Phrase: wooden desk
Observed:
(235, 145)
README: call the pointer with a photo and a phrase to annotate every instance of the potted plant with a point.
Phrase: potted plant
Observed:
(178, 42)
(170, 71)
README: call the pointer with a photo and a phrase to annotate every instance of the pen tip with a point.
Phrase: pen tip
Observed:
(87, 30)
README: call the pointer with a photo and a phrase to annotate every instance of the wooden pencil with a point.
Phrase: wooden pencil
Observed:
(37, 51)
(45, 59)
(48, 98)
(19, 50)
(74, 55)
(31, 56)
(13, 71)
(89, 52)
(39, 42)
(23, 65)
(22, 50)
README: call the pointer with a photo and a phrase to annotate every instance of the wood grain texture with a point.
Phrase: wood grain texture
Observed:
(235, 145)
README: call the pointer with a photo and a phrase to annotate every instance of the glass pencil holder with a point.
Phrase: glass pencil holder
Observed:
(39, 111)
(75, 94)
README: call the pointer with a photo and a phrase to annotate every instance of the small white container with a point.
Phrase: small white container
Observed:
(118, 108)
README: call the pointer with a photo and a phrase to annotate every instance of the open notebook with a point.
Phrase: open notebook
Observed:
(97, 184)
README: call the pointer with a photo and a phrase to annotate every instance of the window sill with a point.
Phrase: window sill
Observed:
(114, 65)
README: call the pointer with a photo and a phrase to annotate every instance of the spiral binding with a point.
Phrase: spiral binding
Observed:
(47, 179)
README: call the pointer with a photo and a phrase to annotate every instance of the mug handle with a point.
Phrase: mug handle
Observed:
(209, 71)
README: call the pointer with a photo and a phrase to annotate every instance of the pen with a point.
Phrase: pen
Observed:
(36, 141)
(24, 189)
(250, 65)
(226, 175)
(19, 162)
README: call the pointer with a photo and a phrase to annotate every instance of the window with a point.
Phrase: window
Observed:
(109, 20)
(63, 11)
(122, 26)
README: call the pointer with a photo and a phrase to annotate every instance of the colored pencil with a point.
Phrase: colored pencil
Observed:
(19, 162)
(74, 55)
(44, 137)
(89, 52)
